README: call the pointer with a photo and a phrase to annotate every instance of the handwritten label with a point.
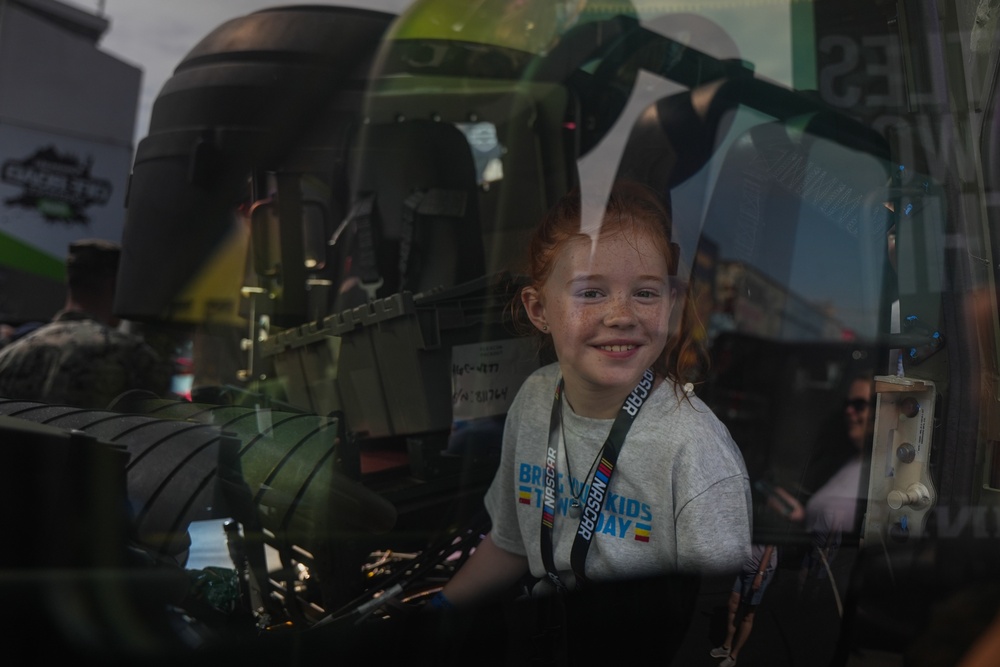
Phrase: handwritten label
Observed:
(486, 376)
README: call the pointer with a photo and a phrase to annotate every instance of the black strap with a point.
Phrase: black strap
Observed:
(597, 491)
(365, 260)
(418, 209)
(363, 218)
(408, 220)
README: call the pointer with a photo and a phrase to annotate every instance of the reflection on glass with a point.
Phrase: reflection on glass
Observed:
(486, 150)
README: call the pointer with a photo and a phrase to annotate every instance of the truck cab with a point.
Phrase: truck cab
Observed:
(332, 205)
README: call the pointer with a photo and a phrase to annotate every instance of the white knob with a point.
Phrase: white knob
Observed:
(915, 495)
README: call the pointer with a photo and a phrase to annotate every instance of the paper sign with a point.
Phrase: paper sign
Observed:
(486, 376)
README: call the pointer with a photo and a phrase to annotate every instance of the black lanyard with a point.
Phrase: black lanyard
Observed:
(598, 486)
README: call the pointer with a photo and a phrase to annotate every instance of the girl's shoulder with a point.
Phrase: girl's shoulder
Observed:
(548, 372)
(543, 378)
(540, 383)
(670, 397)
(684, 417)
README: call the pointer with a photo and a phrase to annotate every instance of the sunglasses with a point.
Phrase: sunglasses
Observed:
(857, 404)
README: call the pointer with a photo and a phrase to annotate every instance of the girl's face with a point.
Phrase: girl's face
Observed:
(607, 312)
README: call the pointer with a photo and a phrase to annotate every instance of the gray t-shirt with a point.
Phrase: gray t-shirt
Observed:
(678, 501)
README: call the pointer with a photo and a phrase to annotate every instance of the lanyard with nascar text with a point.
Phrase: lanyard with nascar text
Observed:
(598, 486)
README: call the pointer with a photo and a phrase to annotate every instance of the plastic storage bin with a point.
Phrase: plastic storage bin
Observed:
(389, 370)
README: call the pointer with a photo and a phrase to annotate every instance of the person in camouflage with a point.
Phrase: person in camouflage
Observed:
(81, 357)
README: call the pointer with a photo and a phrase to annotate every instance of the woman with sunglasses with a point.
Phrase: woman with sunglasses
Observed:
(835, 507)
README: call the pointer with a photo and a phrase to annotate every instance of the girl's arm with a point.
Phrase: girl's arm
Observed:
(488, 571)
(714, 529)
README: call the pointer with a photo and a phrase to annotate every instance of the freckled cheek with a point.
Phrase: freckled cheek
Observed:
(657, 318)
(577, 330)
(575, 316)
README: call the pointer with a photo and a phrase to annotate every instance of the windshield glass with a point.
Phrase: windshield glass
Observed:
(493, 328)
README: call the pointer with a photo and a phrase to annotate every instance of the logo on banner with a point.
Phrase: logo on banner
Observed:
(59, 186)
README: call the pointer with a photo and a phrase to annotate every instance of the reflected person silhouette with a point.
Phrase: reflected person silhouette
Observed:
(82, 357)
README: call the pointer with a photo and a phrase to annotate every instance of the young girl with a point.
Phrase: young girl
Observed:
(611, 468)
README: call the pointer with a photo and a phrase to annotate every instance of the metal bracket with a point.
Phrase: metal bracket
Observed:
(900, 489)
